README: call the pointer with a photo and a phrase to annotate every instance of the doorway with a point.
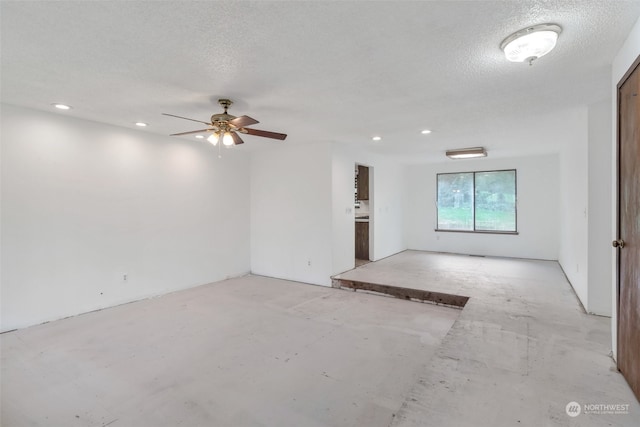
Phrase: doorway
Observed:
(363, 214)
(628, 221)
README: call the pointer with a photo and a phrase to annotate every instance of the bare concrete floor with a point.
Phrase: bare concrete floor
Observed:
(251, 351)
(521, 350)
(360, 262)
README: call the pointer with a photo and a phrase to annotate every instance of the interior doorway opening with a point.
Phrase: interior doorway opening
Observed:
(363, 214)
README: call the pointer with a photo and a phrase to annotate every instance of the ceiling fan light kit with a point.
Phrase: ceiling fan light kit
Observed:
(466, 153)
(227, 139)
(227, 126)
(531, 43)
(213, 138)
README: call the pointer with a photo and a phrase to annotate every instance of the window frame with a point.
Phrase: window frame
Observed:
(474, 231)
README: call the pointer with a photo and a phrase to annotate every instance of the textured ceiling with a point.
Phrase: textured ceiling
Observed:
(319, 71)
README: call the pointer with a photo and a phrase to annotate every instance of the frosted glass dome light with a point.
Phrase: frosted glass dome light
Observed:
(531, 43)
(213, 138)
(227, 139)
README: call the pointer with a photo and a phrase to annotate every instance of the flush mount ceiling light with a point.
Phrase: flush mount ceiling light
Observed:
(531, 43)
(466, 153)
(377, 138)
(425, 132)
(200, 136)
(141, 124)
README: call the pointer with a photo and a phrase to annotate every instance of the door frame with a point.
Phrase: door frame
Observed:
(371, 208)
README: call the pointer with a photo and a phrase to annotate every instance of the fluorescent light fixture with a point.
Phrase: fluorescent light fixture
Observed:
(62, 106)
(425, 132)
(467, 153)
(200, 136)
(141, 124)
(377, 138)
(531, 43)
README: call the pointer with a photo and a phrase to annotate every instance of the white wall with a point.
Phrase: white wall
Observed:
(343, 212)
(574, 176)
(291, 212)
(302, 210)
(538, 194)
(599, 209)
(621, 63)
(84, 203)
(387, 195)
(388, 208)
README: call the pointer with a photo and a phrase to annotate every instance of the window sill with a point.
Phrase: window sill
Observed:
(513, 233)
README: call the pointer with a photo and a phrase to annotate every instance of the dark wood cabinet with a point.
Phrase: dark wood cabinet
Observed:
(363, 183)
(362, 240)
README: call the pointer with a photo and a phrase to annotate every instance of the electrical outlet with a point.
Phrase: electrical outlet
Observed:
(125, 277)
(309, 263)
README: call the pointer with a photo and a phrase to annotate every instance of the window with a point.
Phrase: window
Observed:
(477, 201)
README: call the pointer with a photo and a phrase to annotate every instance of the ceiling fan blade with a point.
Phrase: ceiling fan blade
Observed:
(266, 134)
(190, 132)
(236, 138)
(186, 118)
(243, 121)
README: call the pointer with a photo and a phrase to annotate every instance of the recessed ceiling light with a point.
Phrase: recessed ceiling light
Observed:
(425, 132)
(141, 124)
(377, 138)
(200, 136)
(62, 106)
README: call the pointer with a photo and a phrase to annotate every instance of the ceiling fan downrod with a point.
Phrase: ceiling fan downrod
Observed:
(225, 103)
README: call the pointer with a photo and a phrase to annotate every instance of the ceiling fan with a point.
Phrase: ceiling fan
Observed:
(226, 127)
